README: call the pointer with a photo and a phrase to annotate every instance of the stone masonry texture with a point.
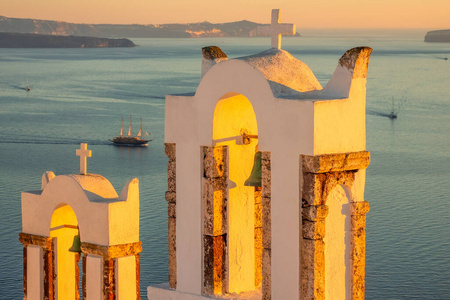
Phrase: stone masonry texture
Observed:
(171, 198)
(266, 220)
(215, 194)
(321, 174)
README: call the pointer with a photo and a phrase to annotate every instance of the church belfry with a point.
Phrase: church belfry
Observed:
(81, 217)
(301, 234)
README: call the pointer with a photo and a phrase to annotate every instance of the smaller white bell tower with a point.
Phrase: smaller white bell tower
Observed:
(86, 206)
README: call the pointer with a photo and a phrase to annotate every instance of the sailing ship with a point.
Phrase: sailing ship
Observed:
(28, 86)
(129, 139)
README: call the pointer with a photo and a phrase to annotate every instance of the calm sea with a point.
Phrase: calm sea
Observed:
(81, 95)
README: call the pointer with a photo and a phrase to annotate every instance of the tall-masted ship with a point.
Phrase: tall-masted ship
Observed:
(129, 139)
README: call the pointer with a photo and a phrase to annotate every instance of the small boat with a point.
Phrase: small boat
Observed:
(395, 108)
(129, 139)
(392, 115)
(446, 58)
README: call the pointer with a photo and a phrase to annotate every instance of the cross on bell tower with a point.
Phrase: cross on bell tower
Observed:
(276, 29)
(83, 153)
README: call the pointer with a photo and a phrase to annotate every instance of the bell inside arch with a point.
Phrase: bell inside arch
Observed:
(255, 176)
(76, 245)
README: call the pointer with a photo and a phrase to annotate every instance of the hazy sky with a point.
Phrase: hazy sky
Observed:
(307, 13)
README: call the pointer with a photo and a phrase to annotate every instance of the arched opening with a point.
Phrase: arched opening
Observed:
(234, 116)
(63, 229)
(337, 245)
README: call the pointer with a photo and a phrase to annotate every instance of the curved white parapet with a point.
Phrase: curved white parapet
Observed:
(104, 218)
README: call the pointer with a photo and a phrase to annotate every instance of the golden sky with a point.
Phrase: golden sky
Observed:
(307, 13)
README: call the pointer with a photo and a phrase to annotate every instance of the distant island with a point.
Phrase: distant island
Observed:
(30, 40)
(190, 30)
(438, 36)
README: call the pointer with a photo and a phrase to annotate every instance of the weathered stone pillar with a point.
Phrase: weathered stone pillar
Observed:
(138, 276)
(83, 280)
(46, 243)
(215, 173)
(25, 271)
(313, 251)
(171, 198)
(110, 256)
(258, 237)
(266, 221)
(77, 276)
(321, 173)
(109, 288)
(49, 273)
(358, 246)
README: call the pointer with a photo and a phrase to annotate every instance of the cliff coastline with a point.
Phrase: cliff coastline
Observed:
(438, 36)
(28, 40)
(189, 30)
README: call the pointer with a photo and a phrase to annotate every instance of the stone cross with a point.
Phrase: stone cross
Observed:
(276, 29)
(83, 153)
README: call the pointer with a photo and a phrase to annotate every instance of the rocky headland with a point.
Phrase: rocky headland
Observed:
(189, 30)
(438, 36)
(30, 40)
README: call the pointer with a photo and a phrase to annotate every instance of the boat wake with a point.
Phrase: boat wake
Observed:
(17, 87)
(55, 142)
(391, 115)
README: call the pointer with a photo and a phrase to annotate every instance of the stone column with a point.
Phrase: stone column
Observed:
(109, 288)
(171, 198)
(358, 248)
(25, 271)
(46, 243)
(266, 177)
(313, 250)
(83, 280)
(49, 274)
(321, 173)
(215, 173)
(109, 255)
(138, 276)
(77, 276)
(258, 237)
